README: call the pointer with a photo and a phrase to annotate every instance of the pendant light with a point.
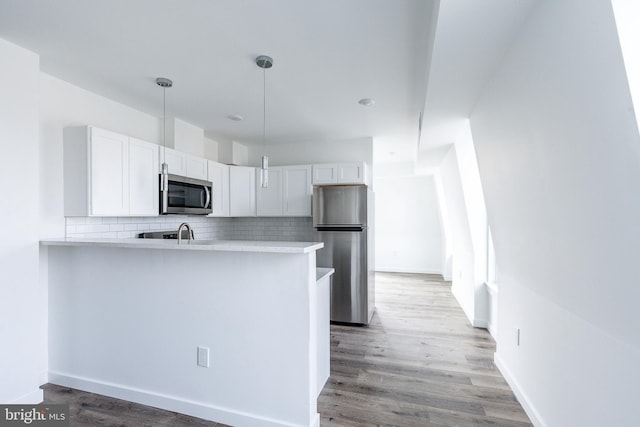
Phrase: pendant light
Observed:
(164, 83)
(264, 62)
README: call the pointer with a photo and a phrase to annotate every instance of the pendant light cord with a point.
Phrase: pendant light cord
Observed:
(264, 111)
(164, 125)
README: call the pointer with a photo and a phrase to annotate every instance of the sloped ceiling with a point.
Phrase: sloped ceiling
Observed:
(471, 38)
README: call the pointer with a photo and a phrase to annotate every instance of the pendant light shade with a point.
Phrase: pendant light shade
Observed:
(264, 62)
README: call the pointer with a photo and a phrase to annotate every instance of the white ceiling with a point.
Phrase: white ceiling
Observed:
(327, 55)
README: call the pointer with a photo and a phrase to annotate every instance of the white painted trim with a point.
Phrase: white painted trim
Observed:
(407, 270)
(533, 414)
(171, 403)
(33, 397)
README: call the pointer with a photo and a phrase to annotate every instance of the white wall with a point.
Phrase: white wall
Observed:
(185, 137)
(23, 303)
(559, 156)
(63, 104)
(408, 235)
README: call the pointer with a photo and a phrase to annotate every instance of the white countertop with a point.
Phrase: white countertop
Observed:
(322, 272)
(195, 245)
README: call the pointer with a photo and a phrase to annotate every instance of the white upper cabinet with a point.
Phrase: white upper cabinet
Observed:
(184, 164)
(289, 192)
(297, 190)
(143, 190)
(108, 174)
(196, 167)
(218, 174)
(340, 173)
(269, 200)
(242, 191)
(325, 174)
(352, 173)
(175, 160)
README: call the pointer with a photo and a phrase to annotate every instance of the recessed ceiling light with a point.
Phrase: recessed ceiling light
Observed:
(367, 102)
(235, 117)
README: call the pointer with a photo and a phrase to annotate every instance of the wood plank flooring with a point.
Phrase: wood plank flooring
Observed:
(419, 364)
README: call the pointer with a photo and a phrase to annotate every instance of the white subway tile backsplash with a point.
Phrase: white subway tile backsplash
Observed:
(272, 228)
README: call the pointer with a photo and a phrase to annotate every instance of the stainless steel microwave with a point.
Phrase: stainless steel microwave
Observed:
(182, 195)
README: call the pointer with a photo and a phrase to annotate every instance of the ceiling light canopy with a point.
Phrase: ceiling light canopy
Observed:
(235, 117)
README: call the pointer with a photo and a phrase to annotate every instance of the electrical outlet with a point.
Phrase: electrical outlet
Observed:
(203, 357)
(517, 337)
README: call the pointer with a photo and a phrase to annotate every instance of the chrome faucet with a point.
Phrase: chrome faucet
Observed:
(189, 232)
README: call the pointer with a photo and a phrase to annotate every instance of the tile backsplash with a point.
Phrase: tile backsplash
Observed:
(272, 228)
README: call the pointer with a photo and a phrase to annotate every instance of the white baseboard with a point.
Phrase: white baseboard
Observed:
(534, 416)
(33, 397)
(407, 270)
(480, 323)
(170, 403)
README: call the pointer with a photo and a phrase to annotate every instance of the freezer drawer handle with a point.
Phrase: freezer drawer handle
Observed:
(340, 228)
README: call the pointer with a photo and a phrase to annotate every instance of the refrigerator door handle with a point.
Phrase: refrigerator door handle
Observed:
(354, 227)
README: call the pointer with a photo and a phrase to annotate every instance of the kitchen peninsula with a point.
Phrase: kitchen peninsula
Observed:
(222, 330)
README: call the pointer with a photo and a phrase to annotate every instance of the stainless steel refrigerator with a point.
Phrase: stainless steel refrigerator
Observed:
(343, 220)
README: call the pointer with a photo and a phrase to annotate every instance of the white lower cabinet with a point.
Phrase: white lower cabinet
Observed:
(242, 191)
(218, 174)
(289, 192)
(108, 174)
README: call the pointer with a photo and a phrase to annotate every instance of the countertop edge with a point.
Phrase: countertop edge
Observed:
(215, 246)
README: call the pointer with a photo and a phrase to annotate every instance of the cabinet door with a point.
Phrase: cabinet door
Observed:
(297, 190)
(143, 178)
(196, 167)
(242, 191)
(325, 174)
(270, 200)
(351, 173)
(175, 160)
(218, 174)
(108, 173)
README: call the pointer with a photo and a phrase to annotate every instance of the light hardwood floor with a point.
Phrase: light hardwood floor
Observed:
(419, 364)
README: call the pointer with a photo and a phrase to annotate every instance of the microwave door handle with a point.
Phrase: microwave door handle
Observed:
(206, 190)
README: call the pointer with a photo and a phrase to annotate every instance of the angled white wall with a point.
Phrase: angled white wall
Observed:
(465, 249)
(559, 157)
(23, 361)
